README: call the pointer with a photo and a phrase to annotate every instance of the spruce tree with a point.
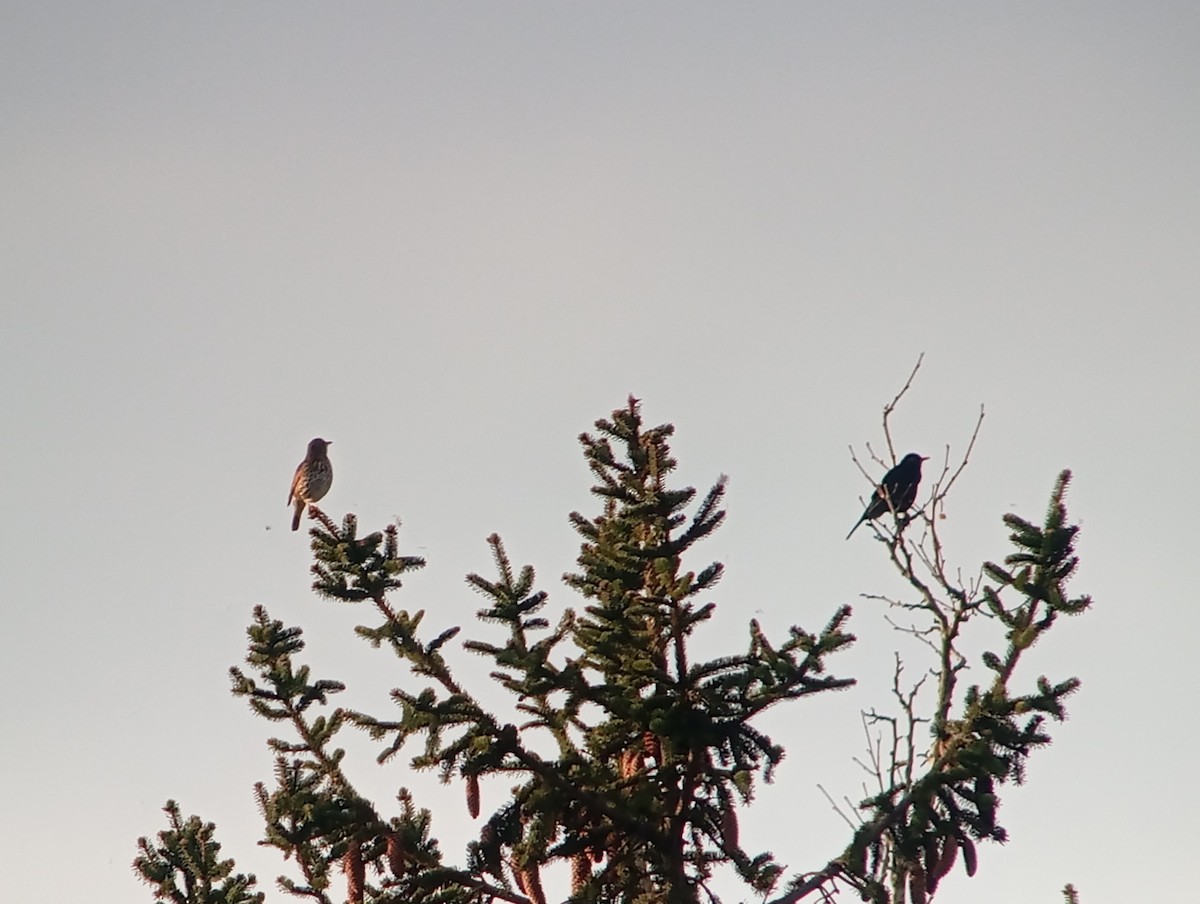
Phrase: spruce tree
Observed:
(628, 757)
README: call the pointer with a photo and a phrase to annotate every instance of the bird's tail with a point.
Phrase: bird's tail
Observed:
(300, 511)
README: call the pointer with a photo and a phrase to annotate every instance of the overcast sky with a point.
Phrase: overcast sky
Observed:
(449, 236)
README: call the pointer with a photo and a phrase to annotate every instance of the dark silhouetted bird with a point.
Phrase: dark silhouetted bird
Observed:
(899, 488)
(313, 478)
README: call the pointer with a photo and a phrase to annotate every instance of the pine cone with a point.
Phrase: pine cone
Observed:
(356, 872)
(652, 747)
(518, 875)
(581, 872)
(946, 861)
(931, 852)
(916, 884)
(968, 851)
(397, 856)
(530, 879)
(473, 796)
(632, 762)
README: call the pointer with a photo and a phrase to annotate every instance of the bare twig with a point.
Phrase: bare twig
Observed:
(945, 603)
(836, 808)
(891, 406)
(887, 432)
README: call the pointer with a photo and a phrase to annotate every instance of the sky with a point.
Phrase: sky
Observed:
(448, 237)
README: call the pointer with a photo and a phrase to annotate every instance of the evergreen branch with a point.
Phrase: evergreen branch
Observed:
(184, 866)
(655, 750)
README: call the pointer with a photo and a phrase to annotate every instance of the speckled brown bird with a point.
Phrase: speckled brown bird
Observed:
(896, 492)
(313, 478)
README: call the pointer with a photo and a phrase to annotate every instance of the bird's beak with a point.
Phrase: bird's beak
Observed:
(924, 458)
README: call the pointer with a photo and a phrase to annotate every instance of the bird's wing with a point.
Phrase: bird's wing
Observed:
(878, 503)
(295, 480)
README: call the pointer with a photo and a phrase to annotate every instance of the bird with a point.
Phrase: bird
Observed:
(897, 492)
(312, 479)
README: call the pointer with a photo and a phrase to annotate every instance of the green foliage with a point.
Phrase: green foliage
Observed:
(184, 867)
(627, 758)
